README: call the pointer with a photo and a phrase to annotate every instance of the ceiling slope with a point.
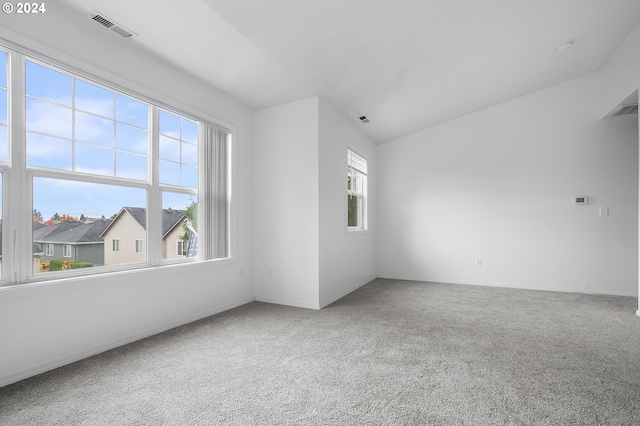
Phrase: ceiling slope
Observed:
(406, 65)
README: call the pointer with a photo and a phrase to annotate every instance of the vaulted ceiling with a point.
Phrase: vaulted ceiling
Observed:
(406, 64)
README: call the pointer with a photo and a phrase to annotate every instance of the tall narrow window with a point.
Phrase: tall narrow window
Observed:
(356, 191)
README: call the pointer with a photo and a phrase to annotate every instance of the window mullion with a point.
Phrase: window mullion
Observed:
(154, 196)
(19, 252)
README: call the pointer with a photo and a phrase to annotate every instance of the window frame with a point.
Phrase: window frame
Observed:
(361, 195)
(66, 250)
(115, 245)
(138, 246)
(48, 252)
(18, 178)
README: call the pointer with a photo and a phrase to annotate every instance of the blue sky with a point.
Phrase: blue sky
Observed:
(76, 125)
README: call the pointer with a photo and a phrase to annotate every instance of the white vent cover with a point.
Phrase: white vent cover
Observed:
(111, 24)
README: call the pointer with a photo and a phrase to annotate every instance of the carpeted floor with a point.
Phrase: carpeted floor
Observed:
(392, 352)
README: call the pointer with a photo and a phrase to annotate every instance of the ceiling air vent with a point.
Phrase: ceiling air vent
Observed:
(623, 109)
(111, 24)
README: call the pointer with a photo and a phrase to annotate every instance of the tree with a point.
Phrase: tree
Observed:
(37, 215)
(55, 216)
(192, 216)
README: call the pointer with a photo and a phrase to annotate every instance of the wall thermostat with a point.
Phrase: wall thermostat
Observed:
(580, 199)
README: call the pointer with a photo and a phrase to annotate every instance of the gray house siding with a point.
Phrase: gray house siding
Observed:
(92, 253)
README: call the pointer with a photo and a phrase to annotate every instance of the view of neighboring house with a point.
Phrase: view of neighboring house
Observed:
(72, 240)
(126, 236)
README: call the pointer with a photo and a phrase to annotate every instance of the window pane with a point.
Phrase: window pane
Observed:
(169, 173)
(169, 149)
(46, 151)
(189, 154)
(4, 116)
(3, 143)
(179, 147)
(132, 112)
(94, 159)
(169, 124)
(189, 177)
(179, 211)
(94, 99)
(48, 118)
(90, 128)
(48, 84)
(3, 70)
(85, 215)
(189, 131)
(132, 139)
(131, 166)
(353, 204)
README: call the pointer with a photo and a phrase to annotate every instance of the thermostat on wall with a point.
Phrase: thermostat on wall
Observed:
(580, 199)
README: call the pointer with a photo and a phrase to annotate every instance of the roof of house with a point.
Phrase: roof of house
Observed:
(71, 232)
(170, 218)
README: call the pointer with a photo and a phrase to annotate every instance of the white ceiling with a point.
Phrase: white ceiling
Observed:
(406, 64)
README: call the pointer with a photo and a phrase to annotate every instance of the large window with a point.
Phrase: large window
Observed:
(356, 191)
(113, 179)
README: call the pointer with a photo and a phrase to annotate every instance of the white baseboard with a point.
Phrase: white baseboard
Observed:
(77, 356)
(344, 293)
(521, 287)
(286, 302)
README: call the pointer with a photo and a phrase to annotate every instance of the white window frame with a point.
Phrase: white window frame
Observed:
(18, 179)
(66, 250)
(357, 172)
(49, 249)
(138, 246)
(115, 245)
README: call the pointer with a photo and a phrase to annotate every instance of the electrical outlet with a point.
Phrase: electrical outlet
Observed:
(241, 272)
(479, 261)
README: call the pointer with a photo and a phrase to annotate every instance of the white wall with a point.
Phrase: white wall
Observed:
(347, 259)
(304, 255)
(622, 71)
(286, 203)
(497, 185)
(45, 326)
(621, 78)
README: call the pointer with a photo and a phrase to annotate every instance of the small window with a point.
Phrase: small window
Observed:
(48, 249)
(182, 248)
(115, 244)
(138, 246)
(356, 191)
(66, 250)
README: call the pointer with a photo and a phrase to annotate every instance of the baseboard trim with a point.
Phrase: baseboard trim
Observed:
(77, 356)
(501, 285)
(292, 303)
(344, 293)
(638, 312)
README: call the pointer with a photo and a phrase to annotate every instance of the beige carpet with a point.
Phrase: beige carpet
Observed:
(393, 352)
